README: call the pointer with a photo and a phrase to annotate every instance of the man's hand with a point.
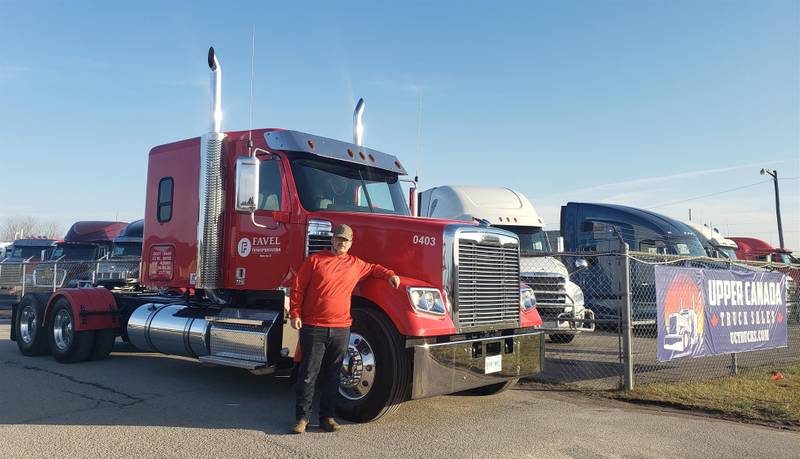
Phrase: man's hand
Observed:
(394, 281)
(296, 323)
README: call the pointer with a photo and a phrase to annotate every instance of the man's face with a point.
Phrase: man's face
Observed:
(340, 245)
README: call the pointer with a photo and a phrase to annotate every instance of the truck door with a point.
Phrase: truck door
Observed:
(260, 255)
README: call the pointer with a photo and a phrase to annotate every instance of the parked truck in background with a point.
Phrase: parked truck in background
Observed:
(121, 267)
(558, 299)
(750, 248)
(31, 249)
(230, 216)
(715, 245)
(84, 241)
(593, 227)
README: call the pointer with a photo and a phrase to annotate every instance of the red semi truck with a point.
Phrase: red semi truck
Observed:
(231, 216)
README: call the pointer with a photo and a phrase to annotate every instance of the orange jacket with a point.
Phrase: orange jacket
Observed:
(324, 284)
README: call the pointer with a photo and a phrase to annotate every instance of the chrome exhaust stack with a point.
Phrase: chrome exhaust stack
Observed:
(358, 123)
(211, 197)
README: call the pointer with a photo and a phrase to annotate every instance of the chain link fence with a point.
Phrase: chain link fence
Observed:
(18, 278)
(583, 299)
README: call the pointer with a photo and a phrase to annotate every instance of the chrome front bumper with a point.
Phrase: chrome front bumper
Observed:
(445, 368)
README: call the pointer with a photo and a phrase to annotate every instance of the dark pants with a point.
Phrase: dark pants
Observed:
(322, 350)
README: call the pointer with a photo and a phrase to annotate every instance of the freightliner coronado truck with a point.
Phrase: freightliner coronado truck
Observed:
(558, 300)
(229, 219)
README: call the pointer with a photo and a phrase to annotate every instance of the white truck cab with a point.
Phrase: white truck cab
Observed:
(559, 300)
(715, 244)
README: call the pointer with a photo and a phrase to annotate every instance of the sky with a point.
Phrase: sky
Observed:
(665, 105)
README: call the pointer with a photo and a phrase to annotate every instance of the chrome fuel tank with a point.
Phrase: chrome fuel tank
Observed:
(169, 329)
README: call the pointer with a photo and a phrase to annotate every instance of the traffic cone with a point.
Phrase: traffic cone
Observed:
(778, 376)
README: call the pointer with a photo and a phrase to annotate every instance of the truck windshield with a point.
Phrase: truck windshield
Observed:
(126, 249)
(728, 251)
(337, 186)
(783, 258)
(687, 246)
(531, 240)
(27, 252)
(74, 252)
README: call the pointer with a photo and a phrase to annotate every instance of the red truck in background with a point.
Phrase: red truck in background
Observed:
(231, 216)
(752, 249)
(757, 250)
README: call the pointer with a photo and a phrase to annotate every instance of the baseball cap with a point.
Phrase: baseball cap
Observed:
(344, 232)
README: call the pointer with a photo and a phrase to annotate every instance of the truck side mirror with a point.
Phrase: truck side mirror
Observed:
(581, 263)
(247, 171)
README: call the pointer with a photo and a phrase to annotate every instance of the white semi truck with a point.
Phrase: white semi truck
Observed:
(558, 299)
(715, 244)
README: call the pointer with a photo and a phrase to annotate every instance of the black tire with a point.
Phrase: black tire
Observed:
(392, 370)
(103, 344)
(67, 344)
(29, 329)
(563, 338)
(493, 388)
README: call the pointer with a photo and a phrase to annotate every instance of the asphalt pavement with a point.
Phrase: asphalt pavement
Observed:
(147, 405)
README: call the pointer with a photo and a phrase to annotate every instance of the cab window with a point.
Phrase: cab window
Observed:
(270, 186)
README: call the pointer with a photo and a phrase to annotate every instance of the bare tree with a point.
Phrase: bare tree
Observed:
(17, 227)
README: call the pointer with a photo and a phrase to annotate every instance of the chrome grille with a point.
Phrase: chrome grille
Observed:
(550, 291)
(488, 283)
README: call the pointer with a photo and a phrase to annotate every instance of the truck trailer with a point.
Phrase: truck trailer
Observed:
(229, 219)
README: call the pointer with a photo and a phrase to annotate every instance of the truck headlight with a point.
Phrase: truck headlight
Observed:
(426, 300)
(527, 300)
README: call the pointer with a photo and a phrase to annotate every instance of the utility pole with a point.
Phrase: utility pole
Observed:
(774, 174)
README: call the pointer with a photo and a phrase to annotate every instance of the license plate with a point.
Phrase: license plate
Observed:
(493, 364)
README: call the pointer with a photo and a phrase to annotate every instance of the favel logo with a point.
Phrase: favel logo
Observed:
(244, 247)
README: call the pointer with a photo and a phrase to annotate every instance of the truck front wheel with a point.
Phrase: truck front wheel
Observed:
(375, 374)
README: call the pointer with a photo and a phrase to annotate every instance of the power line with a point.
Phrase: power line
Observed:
(710, 194)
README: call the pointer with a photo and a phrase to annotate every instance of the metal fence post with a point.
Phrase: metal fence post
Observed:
(626, 332)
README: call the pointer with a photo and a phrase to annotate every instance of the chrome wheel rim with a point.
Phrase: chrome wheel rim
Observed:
(357, 374)
(62, 330)
(27, 325)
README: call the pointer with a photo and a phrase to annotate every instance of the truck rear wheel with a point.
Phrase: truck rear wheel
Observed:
(68, 345)
(375, 374)
(30, 332)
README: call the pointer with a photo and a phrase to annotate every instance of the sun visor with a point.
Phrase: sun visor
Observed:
(333, 149)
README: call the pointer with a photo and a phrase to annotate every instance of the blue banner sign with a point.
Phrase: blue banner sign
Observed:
(703, 312)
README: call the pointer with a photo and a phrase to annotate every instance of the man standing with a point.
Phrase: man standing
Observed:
(320, 309)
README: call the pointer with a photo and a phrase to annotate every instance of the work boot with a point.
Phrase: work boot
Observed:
(329, 424)
(300, 426)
